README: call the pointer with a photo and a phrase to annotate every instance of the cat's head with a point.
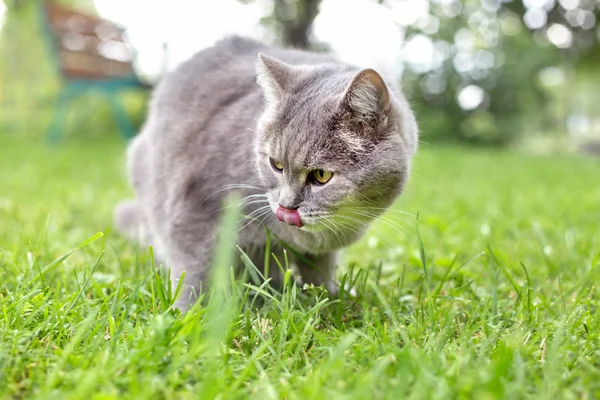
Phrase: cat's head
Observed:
(334, 144)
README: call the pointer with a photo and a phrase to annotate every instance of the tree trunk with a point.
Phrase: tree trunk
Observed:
(295, 19)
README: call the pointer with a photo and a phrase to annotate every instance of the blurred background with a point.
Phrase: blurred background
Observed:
(520, 73)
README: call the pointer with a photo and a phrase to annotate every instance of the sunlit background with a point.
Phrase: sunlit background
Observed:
(521, 73)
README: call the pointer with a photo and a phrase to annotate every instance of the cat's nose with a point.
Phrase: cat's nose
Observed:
(289, 215)
(290, 197)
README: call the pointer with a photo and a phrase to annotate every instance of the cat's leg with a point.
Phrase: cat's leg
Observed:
(189, 253)
(319, 270)
(189, 235)
(127, 219)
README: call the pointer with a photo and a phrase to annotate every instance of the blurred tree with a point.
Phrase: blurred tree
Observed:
(481, 87)
(486, 71)
(294, 20)
(485, 79)
(483, 82)
(291, 21)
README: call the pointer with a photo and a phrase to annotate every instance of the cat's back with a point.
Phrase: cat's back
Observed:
(212, 79)
(221, 75)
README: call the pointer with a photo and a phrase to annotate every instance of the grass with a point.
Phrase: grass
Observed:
(493, 296)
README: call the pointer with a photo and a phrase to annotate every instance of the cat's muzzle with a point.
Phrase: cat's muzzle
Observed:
(289, 216)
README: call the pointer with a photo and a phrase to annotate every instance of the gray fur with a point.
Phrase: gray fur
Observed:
(211, 126)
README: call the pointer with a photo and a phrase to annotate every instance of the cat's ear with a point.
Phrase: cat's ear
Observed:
(272, 75)
(367, 96)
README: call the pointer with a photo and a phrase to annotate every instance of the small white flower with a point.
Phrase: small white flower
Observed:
(485, 229)
(372, 242)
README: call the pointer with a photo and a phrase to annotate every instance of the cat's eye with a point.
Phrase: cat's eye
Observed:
(276, 165)
(321, 176)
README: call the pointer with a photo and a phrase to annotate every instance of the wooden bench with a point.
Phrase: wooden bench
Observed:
(91, 54)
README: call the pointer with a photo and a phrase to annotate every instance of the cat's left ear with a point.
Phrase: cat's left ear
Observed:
(367, 96)
(272, 75)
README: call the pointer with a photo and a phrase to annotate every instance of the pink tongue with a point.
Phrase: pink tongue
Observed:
(290, 217)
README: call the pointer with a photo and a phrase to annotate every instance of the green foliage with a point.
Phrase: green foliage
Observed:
(492, 297)
(515, 101)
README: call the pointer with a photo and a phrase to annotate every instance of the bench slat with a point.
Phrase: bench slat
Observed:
(87, 46)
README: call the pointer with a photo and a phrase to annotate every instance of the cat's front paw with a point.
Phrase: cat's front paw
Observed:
(334, 289)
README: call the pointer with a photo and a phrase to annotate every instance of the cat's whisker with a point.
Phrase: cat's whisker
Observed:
(347, 227)
(258, 221)
(239, 185)
(322, 233)
(350, 225)
(253, 199)
(376, 216)
(330, 229)
(260, 212)
(263, 218)
(255, 202)
(398, 228)
(326, 223)
(257, 211)
(351, 217)
(350, 220)
(242, 203)
(396, 219)
(255, 196)
(359, 205)
(324, 236)
(384, 240)
(231, 187)
(399, 224)
(385, 210)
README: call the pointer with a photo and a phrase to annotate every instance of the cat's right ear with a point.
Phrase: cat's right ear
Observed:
(272, 75)
(367, 96)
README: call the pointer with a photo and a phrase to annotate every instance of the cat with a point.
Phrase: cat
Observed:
(319, 148)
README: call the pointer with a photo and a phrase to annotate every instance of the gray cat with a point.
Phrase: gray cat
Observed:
(318, 148)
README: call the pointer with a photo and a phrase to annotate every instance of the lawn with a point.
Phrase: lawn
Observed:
(493, 297)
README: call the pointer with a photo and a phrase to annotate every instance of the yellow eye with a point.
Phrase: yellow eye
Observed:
(321, 176)
(276, 165)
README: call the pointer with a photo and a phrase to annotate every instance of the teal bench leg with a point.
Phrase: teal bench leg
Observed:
(121, 118)
(56, 128)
